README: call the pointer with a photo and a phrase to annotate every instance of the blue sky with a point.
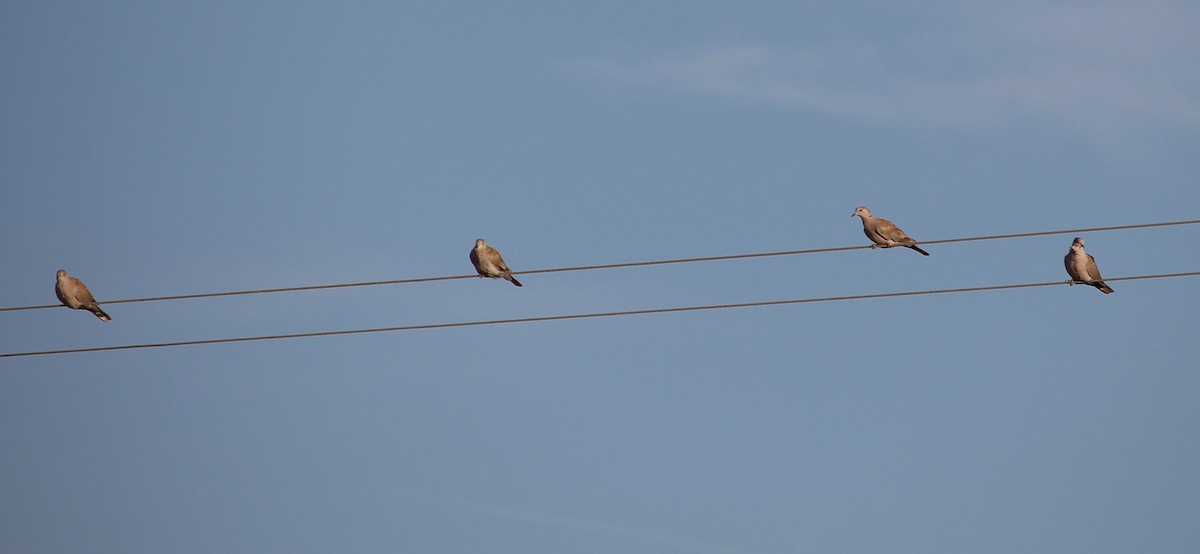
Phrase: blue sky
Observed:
(175, 149)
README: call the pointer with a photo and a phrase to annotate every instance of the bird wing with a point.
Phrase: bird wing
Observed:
(81, 292)
(500, 262)
(1093, 271)
(889, 230)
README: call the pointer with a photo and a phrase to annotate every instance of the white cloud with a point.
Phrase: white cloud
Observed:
(1099, 66)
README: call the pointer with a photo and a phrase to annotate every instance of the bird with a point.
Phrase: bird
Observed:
(1081, 266)
(488, 263)
(75, 295)
(884, 233)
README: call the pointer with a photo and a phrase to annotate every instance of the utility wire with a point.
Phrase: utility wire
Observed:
(580, 316)
(610, 266)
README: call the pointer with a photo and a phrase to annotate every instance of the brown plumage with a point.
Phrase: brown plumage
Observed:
(883, 232)
(1081, 266)
(488, 263)
(75, 295)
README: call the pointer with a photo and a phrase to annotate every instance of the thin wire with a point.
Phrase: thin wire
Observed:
(580, 316)
(610, 266)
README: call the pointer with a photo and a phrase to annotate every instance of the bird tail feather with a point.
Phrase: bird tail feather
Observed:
(918, 249)
(99, 313)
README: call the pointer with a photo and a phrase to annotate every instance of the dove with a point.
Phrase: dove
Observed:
(883, 232)
(1081, 266)
(75, 295)
(488, 263)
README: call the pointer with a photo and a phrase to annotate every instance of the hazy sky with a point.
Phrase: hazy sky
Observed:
(174, 149)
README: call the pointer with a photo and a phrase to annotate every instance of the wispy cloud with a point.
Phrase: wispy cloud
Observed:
(1100, 66)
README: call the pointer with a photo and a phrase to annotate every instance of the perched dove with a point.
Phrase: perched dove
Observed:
(1081, 266)
(488, 263)
(75, 295)
(883, 232)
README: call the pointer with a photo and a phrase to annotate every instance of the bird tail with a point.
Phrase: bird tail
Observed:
(1102, 287)
(99, 313)
(513, 280)
(918, 249)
